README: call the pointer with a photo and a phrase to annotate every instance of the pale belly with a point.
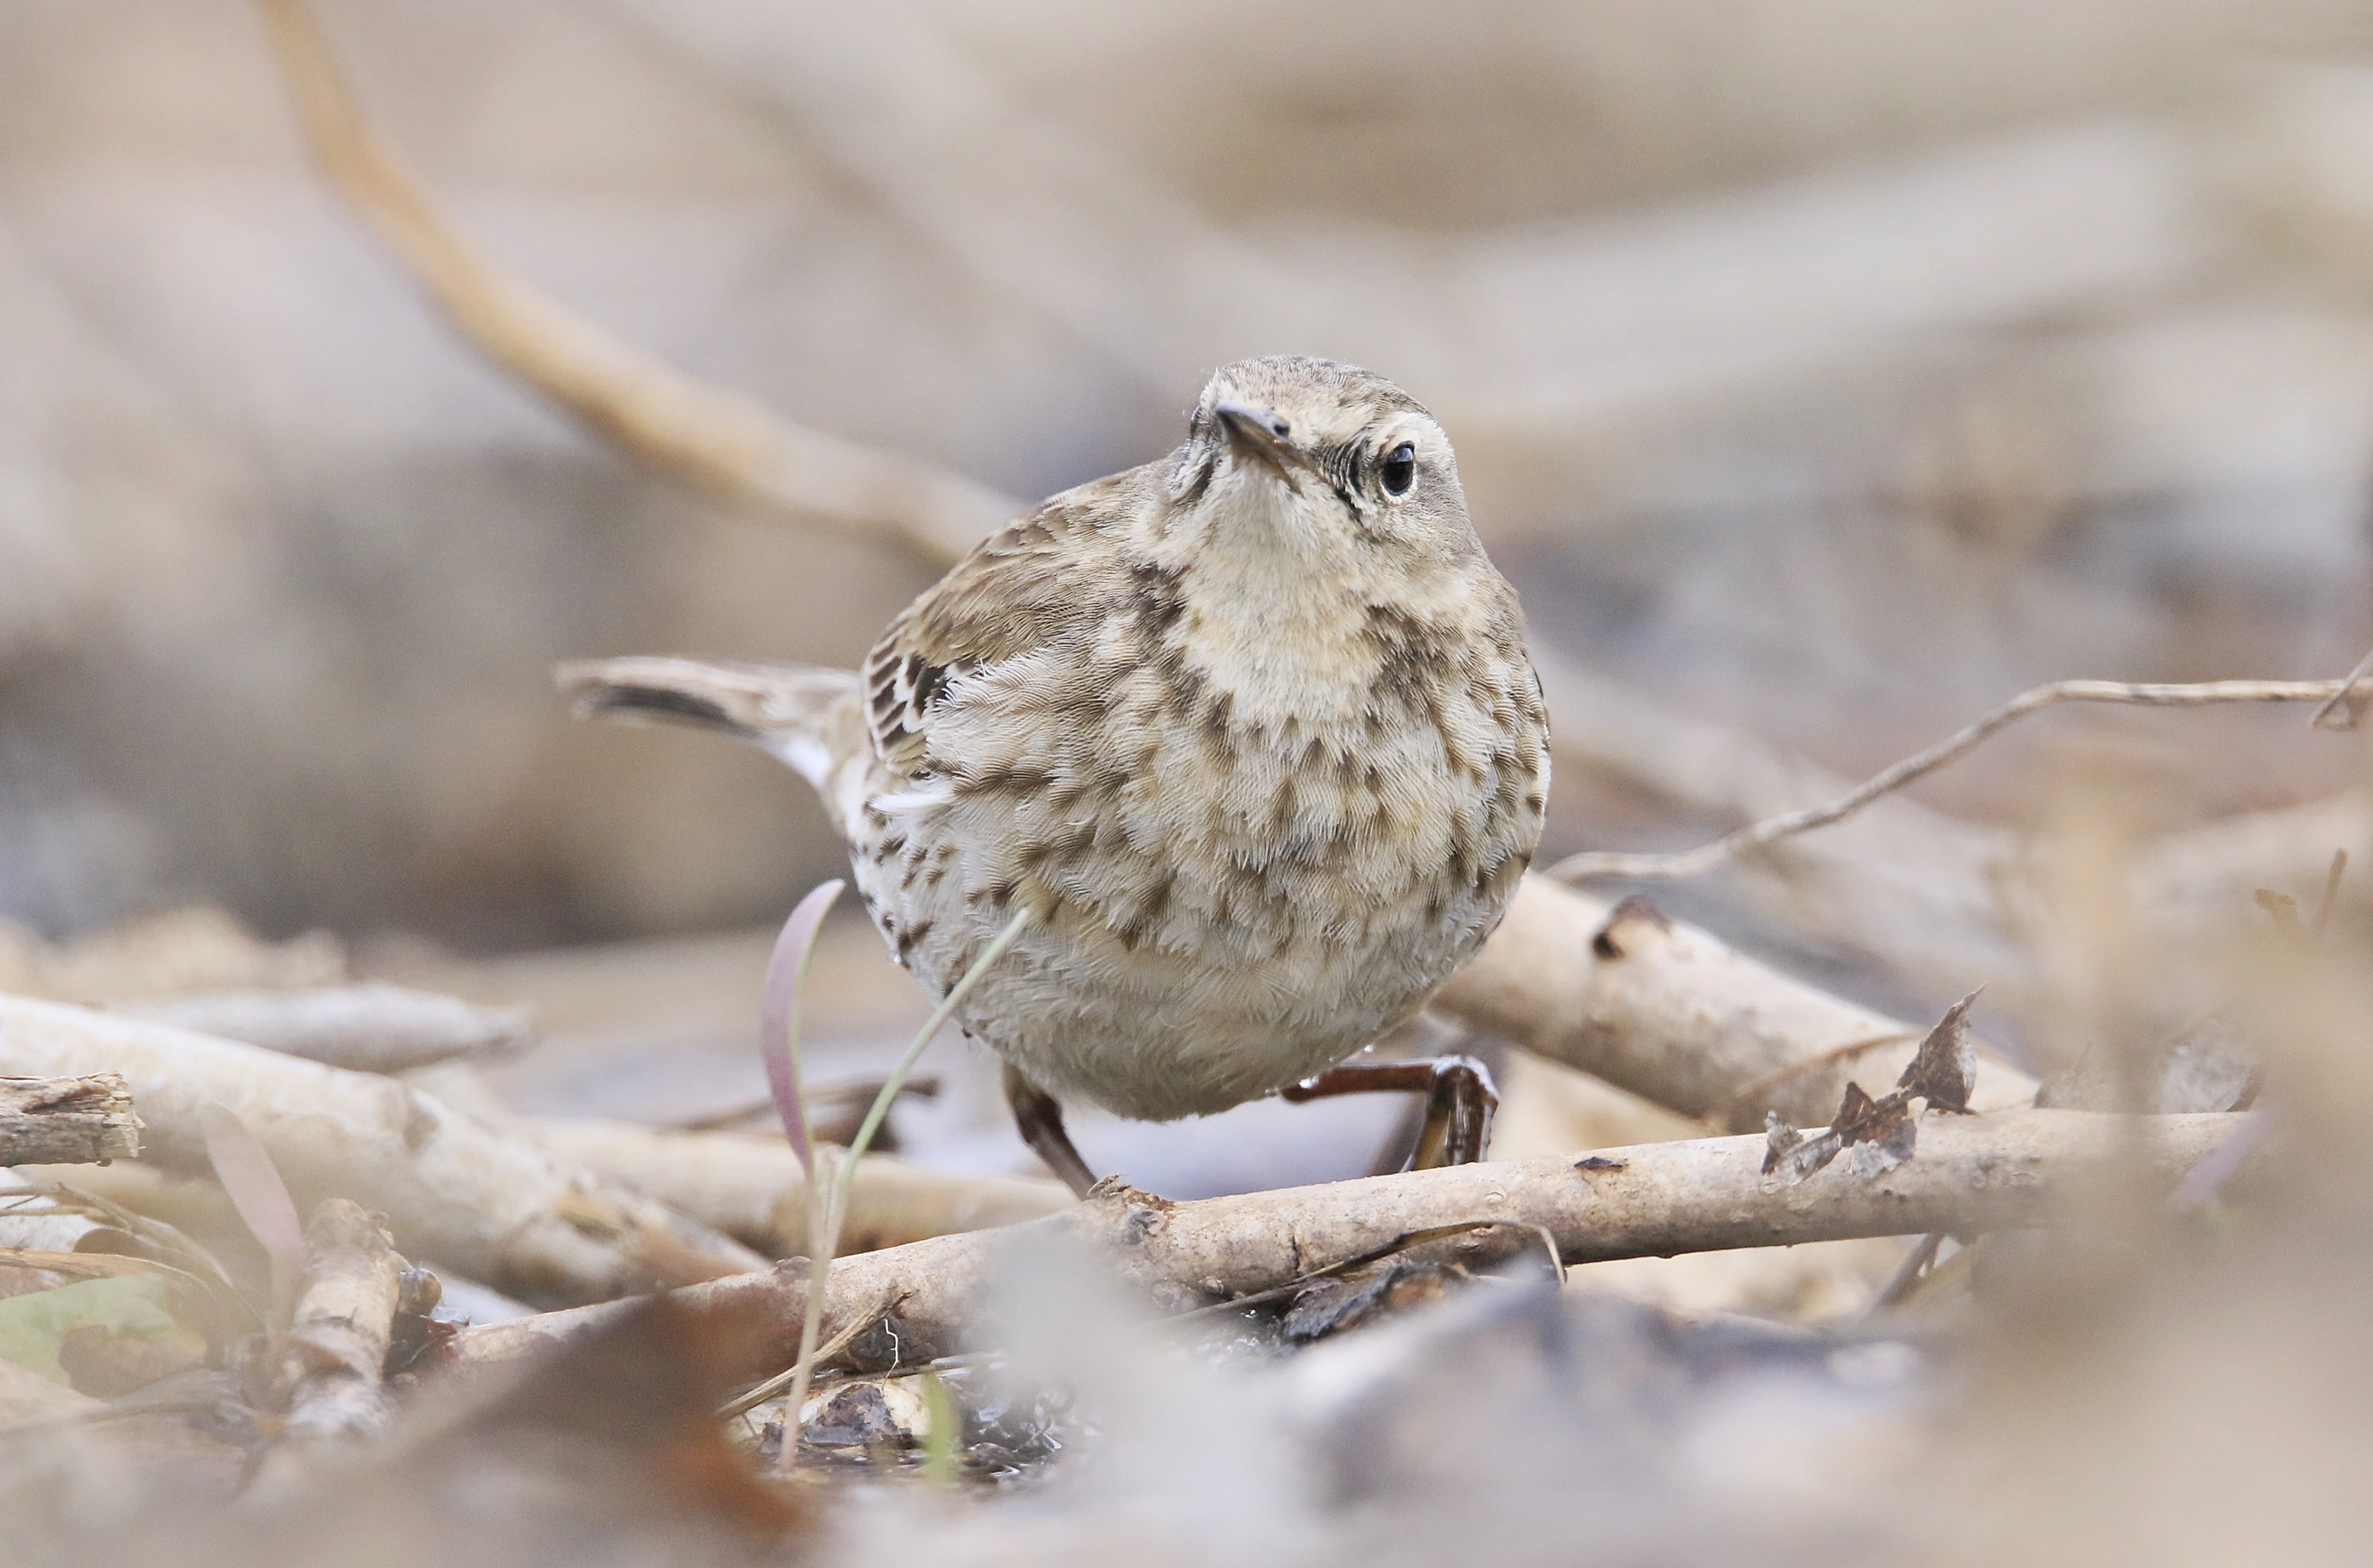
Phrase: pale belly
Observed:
(1199, 939)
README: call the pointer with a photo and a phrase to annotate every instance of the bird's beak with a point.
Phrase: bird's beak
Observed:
(1261, 434)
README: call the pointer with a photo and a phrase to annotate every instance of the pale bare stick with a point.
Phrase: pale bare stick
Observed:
(1600, 864)
(452, 1188)
(719, 439)
(753, 1188)
(1968, 1175)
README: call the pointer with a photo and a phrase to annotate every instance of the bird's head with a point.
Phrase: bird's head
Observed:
(1306, 456)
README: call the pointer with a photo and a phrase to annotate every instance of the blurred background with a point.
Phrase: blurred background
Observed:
(1822, 371)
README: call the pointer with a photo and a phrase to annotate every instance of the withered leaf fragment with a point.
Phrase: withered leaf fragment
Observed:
(1881, 1132)
(1391, 1284)
(1778, 1140)
(1794, 1155)
(1946, 1068)
(1885, 1139)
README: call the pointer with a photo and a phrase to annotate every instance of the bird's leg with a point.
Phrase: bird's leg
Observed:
(1459, 1102)
(1039, 1118)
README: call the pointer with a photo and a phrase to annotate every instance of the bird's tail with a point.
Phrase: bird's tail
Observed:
(812, 718)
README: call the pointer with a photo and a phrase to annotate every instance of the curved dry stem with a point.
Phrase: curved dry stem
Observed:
(779, 1030)
(1598, 864)
(836, 1210)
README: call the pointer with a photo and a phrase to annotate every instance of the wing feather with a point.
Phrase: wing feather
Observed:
(1020, 588)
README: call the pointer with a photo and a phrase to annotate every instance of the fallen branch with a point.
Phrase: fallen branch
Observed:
(1667, 1012)
(81, 1120)
(495, 1207)
(719, 439)
(1970, 1175)
(1604, 864)
(752, 1188)
(367, 1028)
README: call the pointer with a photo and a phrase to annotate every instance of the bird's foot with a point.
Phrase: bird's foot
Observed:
(1458, 1106)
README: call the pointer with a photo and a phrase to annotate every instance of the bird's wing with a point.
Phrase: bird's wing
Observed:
(1040, 576)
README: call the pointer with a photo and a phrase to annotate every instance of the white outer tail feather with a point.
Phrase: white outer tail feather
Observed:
(811, 719)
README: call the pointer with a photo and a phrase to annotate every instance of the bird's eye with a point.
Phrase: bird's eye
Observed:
(1400, 469)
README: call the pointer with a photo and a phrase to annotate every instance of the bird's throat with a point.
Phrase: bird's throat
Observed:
(1274, 601)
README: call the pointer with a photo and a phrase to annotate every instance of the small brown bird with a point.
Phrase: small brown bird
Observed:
(1249, 733)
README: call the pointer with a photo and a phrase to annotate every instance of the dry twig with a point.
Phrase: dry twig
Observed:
(1902, 885)
(1971, 1174)
(1665, 1011)
(2346, 707)
(1597, 864)
(493, 1206)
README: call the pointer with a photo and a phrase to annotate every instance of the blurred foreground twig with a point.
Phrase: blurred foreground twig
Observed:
(328, 1363)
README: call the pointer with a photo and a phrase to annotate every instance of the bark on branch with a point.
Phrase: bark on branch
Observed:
(1968, 1175)
(81, 1120)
